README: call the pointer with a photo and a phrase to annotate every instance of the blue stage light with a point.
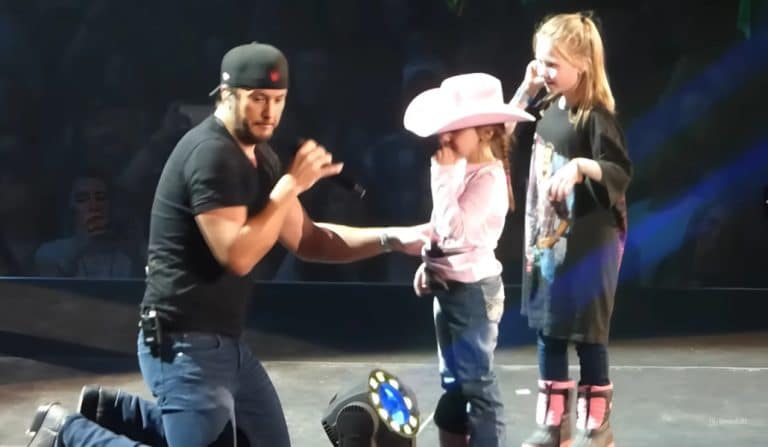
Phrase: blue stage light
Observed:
(392, 401)
(380, 411)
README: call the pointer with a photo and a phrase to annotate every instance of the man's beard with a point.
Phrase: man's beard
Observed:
(243, 132)
(245, 136)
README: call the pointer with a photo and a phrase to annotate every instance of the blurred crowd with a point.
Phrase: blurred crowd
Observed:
(94, 95)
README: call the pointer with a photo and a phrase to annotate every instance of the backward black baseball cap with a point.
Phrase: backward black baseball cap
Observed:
(253, 65)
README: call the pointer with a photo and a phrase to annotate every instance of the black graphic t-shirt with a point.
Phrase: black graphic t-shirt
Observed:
(188, 286)
(573, 248)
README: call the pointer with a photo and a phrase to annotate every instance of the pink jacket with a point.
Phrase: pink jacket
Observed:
(469, 208)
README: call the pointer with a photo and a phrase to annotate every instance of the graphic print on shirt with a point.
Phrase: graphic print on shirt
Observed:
(549, 221)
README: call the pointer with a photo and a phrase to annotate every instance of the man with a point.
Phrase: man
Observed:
(219, 207)
(93, 250)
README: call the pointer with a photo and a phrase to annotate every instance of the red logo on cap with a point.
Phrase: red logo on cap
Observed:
(274, 75)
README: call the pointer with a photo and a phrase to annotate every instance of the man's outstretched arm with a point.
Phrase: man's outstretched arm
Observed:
(334, 243)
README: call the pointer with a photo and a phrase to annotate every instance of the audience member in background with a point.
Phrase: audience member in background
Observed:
(92, 250)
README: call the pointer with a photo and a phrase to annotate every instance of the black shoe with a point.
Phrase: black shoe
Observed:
(46, 425)
(95, 402)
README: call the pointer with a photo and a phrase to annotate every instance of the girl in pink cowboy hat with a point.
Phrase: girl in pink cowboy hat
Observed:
(471, 195)
(575, 227)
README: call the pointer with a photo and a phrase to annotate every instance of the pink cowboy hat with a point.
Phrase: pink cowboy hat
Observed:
(466, 100)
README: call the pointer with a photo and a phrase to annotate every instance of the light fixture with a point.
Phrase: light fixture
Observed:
(379, 412)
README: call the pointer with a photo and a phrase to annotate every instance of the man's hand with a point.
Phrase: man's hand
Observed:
(408, 240)
(312, 163)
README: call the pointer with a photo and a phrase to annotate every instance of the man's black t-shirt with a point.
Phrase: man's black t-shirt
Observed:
(206, 170)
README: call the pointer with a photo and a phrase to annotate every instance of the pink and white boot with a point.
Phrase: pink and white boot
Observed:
(593, 409)
(553, 415)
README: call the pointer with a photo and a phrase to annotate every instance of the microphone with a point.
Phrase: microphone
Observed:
(348, 183)
(342, 179)
(435, 282)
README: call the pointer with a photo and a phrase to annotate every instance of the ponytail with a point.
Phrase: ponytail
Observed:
(500, 146)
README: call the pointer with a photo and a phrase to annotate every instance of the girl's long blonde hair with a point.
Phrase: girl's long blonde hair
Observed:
(576, 38)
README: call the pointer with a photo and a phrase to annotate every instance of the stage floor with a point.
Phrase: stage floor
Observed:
(686, 391)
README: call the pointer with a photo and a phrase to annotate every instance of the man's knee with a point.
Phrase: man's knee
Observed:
(228, 436)
(451, 412)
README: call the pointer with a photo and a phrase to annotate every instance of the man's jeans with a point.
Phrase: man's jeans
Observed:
(201, 381)
(467, 326)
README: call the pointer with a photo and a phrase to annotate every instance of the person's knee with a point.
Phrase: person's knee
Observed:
(592, 351)
(198, 427)
(553, 358)
(229, 438)
(451, 413)
(552, 346)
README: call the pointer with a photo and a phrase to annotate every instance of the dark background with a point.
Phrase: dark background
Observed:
(105, 88)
